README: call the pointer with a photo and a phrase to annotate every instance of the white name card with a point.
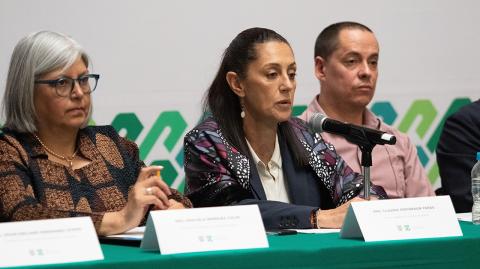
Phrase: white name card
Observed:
(204, 229)
(396, 219)
(48, 241)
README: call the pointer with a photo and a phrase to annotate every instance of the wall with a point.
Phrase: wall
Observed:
(156, 58)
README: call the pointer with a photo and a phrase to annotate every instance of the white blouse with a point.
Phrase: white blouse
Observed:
(271, 175)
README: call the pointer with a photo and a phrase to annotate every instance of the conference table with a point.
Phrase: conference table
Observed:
(307, 251)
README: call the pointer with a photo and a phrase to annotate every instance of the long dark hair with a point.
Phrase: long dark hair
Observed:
(224, 104)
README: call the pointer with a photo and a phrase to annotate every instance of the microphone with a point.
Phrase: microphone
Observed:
(355, 134)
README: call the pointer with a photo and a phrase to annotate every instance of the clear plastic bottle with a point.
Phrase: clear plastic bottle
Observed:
(476, 191)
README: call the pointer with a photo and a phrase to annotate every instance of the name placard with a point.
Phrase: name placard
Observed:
(396, 219)
(204, 229)
(49, 241)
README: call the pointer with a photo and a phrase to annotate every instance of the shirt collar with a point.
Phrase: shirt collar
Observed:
(370, 120)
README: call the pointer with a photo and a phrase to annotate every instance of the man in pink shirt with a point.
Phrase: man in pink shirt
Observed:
(346, 58)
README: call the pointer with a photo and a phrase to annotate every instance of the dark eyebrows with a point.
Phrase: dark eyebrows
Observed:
(277, 65)
(272, 65)
(356, 54)
(352, 53)
(375, 55)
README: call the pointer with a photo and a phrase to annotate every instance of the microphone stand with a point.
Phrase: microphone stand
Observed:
(366, 164)
(363, 137)
(360, 138)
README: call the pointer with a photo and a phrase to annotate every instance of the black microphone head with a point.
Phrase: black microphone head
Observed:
(316, 122)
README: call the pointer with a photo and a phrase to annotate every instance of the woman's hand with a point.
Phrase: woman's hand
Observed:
(175, 205)
(333, 218)
(149, 190)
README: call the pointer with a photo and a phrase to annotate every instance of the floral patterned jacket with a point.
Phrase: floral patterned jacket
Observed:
(218, 174)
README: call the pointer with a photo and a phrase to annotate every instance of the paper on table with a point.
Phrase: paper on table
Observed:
(465, 216)
(317, 231)
(137, 233)
(133, 234)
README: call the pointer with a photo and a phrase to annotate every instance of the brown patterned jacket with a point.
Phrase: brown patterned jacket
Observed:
(33, 187)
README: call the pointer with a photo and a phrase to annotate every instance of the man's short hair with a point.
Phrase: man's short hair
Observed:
(327, 40)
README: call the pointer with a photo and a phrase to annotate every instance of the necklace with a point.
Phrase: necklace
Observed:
(69, 160)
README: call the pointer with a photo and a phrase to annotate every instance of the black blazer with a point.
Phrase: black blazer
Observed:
(456, 152)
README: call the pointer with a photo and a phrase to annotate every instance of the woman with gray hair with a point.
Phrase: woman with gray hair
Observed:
(51, 164)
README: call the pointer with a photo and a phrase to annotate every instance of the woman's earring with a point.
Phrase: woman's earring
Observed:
(242, 107)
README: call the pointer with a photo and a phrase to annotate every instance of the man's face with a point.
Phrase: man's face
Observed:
(349, 75)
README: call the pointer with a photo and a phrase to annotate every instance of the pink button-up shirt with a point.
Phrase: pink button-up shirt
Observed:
(394, 167)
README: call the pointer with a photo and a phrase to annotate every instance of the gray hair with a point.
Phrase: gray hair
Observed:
(35, 55)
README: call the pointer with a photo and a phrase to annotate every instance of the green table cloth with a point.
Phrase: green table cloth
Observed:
(308, 251)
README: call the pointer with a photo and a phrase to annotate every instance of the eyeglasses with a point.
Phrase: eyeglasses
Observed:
(64, 86)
